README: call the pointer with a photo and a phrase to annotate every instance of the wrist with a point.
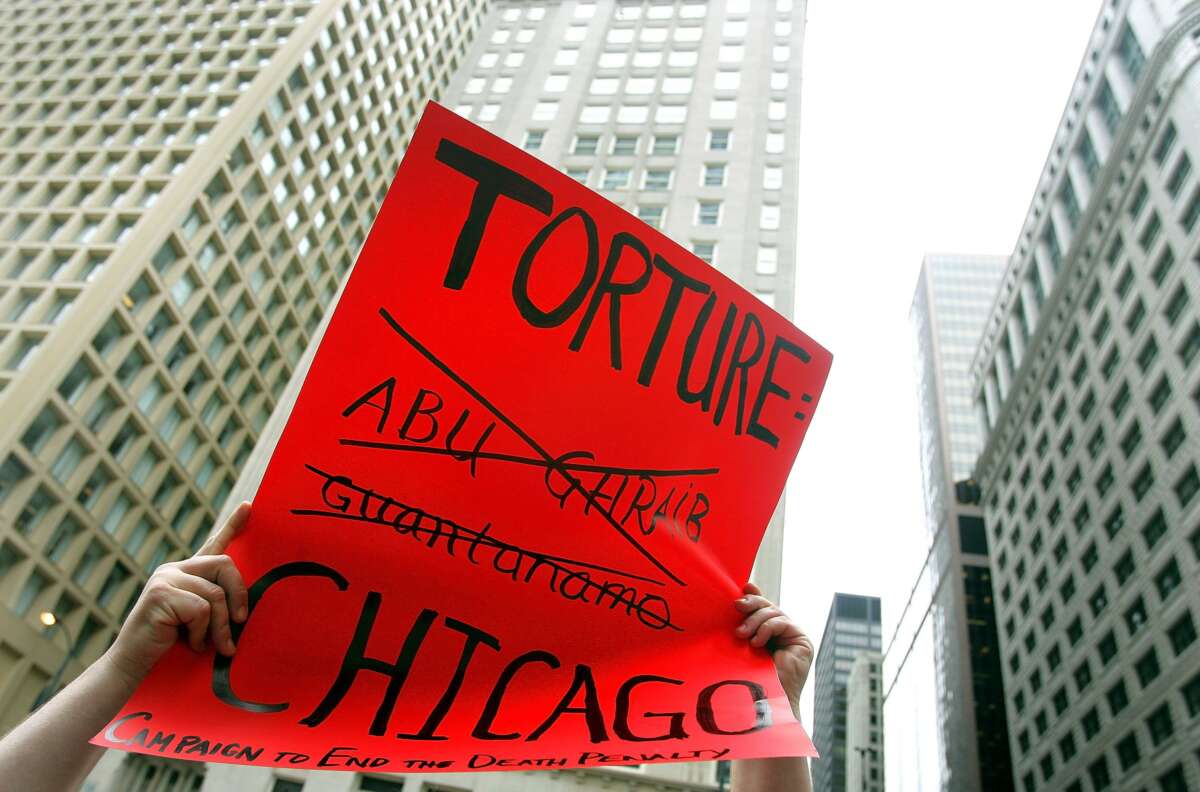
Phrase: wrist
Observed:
(121, 670)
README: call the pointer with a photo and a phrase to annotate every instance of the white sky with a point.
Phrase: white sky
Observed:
(925, 127)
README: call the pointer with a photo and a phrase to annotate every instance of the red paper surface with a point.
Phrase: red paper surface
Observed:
(450, 501)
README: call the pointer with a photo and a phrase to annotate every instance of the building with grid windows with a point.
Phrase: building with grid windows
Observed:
(944, 700)
(853, 628)
(1088, 386)
(182, 189)
(684, 112)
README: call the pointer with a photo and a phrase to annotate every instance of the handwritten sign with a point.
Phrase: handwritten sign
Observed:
(517, 496)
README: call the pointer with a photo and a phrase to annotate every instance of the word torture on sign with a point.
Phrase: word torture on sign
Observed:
(523, 482)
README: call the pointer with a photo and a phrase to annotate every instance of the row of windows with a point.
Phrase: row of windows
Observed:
(662, 179)
(594, 114)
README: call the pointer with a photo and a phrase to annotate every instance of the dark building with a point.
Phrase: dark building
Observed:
(853, 627)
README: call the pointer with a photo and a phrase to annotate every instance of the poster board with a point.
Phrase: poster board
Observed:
(522, 484)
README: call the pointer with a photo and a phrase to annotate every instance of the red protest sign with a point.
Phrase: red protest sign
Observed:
(521, 486)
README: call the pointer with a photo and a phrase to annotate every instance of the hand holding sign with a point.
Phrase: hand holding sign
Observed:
(767, 626)
(202, 596)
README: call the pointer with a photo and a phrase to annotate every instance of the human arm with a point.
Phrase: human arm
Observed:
(765, 625)
(49, 751)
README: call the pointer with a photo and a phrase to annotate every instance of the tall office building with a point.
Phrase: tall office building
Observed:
(864, 724)
(1088, 385)
(852, 628)
(182, 188)
(946, 727)
(684, 112)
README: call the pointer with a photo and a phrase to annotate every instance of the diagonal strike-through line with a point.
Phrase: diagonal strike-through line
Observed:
(550, 461)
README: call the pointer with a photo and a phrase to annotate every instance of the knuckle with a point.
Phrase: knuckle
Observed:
(157, 587)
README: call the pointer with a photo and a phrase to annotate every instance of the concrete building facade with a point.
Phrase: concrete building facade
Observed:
(853, 628)
(864, 724)
(948, 729)
(182, 189)
(684, 112)
(1088, 387)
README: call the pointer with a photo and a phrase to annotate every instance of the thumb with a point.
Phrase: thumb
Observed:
(220, 539)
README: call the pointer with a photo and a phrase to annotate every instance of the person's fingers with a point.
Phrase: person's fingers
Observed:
(220, 539)
(750, 588)
(216, 619)
(221, 570)
(752, 622)
(183, 608)
(776, 626)
(752, 602)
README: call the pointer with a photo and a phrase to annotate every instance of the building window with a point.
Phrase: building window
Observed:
(714, 175)
(1154, 529)
(1179, 175)
(708, 213)
(719, 139)
(1106, 101)
(1191, 345)
(590, 114)
(1187, 486)
(556, 83)
(1130, 53)
(1191, 695)
(1091, 723)
(1165, 144)
(615, 179)
(657, 179)
(769, 217)
(1087, 155)
(768, 260)
(1160, 725)
(651, 215)
(1135, 616)
(705, 251)
(1118, 698)
(625, 145)
(533, 139)
(586, 144)
(1168, 579)
(665, 144)
(1148, 668)
(1127, 751)
(1182, 633)
(1143, 482)
(670, 114)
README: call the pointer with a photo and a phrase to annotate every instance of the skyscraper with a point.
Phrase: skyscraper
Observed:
(182, 189)
(686, 113)
(947, 726)
(1088, 385)
(852, 628)
(864, 724)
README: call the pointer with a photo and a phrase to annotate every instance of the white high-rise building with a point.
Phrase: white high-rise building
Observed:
(1088, 388)
(684, 112)
(944, 702)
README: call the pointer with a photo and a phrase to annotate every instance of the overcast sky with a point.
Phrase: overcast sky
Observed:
(925, 127)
